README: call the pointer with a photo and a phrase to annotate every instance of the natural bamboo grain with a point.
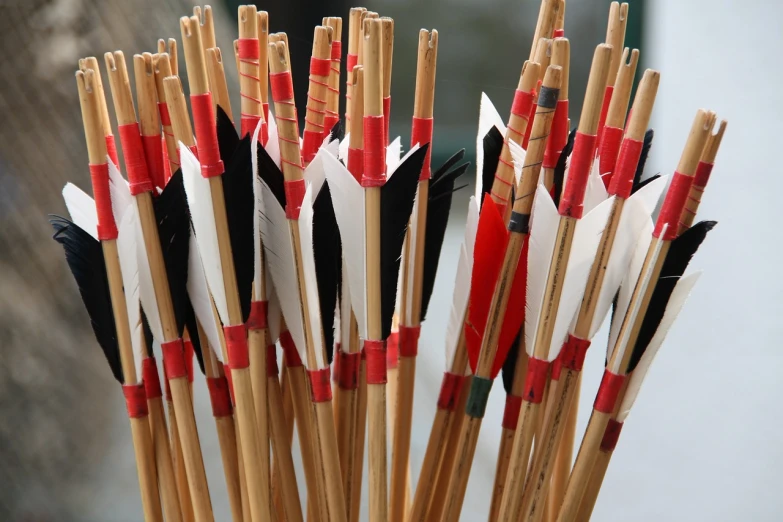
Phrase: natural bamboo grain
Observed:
(217, 81)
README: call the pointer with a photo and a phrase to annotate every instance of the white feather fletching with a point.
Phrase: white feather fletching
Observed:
(410, 240)
(198, 291)
(313, 312)
(348, 197)
(635, 213)
(633, 311)
(146, 288)
(272, 146)
(345, 312)
(677, 300)
(129, 265)
(81, 207)
(119, 191)
(202, 216)
(488, 116)
(518, 157)
(544, 221)
(258, 272)
(393, 151)
(459, 302)
(596, 193)
(281, 262)
(403, 160)
(314, 172)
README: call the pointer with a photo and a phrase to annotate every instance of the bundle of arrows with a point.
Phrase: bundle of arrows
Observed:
(224, 244)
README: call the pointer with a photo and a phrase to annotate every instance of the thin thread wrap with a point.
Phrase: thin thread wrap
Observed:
(271, 361)
(219, 396)
(348, 376)
(409, 340)
(607, 158)
(672, 207)
(511, 411)
(421, 133)
(393, 350)
(375, 356)
(107, 227)
(450, 389)
(236, 347)
(290, 353)
(611, 435)
(572, 202)
(257, 320)
(558, 135)
(151, 378)
(135, 162)
(135, 400)
(320, 385)
(206, 135)
(374, 153)
(356, 163)
(294, 195)
(174, 359)
(608, 391)
(625, 168)
(535, 380)
(476, 404)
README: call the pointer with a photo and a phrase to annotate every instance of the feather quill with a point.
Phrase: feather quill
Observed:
(258, 207)
(121, 198)
(310, 282)
(198, 291)
(129, 265)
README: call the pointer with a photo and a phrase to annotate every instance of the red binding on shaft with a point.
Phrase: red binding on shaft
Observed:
(290, 354)
(331, 118)
(294, 195)
(393, 350)
(151, 378)
(535, 380)
(153, 154)
(257, 320)
(572, 202)
(572, 355)
(607, 157)
(107, 227)
(608, 391)
(386, 117)
(348, 378)
(271, 361)
(206, 135)
(422, 134)
(672, 207)
(558, 135)
(336, 362)
(174, 359)
(702, 175)
(625, 168)
(135, 400)
(135, 162)
(409, 340)
(611, 435)
(111, 150)
(320, 385)
(604, 112)
(511, 411)
(236, 347)
(219, 396)
(531, 115)
(374, 153)
(375, 354)
(356, 163)
(189, 353)
(450, 388)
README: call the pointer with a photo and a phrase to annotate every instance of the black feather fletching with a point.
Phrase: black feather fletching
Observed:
(680, 253)
(637, 177)
(145, 328)
(327, 251)
(438, 209)
(397, 196)
(493, 146)
(272, 176)
(337, 132)
(510, 364)
(192, 326)
(240, 205)
(84, 256)
(173, 219)
(560, 168)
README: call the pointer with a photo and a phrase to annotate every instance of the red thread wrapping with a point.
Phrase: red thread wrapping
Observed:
(607, 158)
(572, 202)
(111, 149)
(135, 400)
(530, 117)
(557, 366)
(572, 355)
(153, 153)
(604, 111)
(320, 66)
(107, 227)
(511, 412)
(258, 315)
(523, 103)
(248, 124)
(311, 142)
(348, 377)
(409, 340)
(558, 135)
(290, 354)
(219, 397)
(166, 166)
(374, 152)
(230, 381)
(625, 168)
(672, 207)
(168, 386)
(386, 117)
(271, 361)
(356, 163)
(294, 194)
(282, 86)
(337, 50)
(135, 162)
(450, 388)
(320, 385)
(165, 117)
(265, 127)
(422, 134)
(236, 347)
(611, 435)
(206, 135)
(174, 359)
(393, 350)
(336, 362)
(558, 33)
(535, 380)
(330, 120)
(151, 377)
(375, 354)
(702, 175)
(608, 391)
(189, 353)
(247, 49)
(350, 61)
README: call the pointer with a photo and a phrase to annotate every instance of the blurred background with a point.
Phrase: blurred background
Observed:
(703, 441)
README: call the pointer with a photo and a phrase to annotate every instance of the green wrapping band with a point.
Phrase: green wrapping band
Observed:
(479, 396)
